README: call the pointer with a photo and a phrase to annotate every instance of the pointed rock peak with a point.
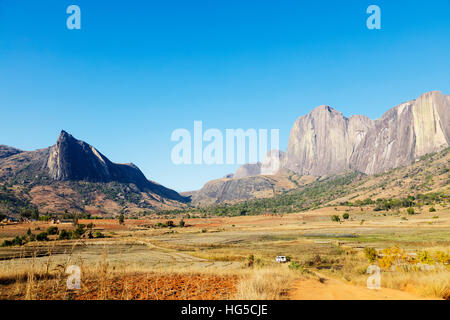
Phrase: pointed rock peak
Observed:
(64, 136)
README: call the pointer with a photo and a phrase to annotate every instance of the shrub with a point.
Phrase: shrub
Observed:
(371, 254)
(335, 218)
(182, 223)
(170, 224)
(410, 210)
(7, 243)
(294, 265)
(43, 236)
(79, 231)
(64, 235)
(121, 219)
(98, 234)
(250, 261)
(345, 216)
(52, 231)
(432, 209)
(442, 257)
(17, 241)
(425, 257)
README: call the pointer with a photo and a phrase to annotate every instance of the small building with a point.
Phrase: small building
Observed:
(10, 220)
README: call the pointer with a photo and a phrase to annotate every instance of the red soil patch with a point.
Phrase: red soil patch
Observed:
(148, 286)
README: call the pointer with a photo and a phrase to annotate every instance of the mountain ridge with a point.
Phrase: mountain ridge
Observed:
(324, 142)
(70, 166)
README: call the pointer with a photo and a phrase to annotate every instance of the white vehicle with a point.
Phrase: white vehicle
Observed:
(281, 259)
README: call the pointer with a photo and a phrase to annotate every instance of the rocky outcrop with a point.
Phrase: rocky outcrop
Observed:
(224, 190)
(248, 170)
(231, 190)
(75, 160)
(270, 166)
(325, 142)
(72, 159)
(405, 133)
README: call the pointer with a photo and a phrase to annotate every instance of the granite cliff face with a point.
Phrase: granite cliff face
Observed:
(325, 142)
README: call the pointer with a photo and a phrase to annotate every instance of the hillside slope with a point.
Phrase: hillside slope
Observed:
(74, 176)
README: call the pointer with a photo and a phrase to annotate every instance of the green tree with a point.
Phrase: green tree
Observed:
(42, 236)
(52, 230)
(64, 235)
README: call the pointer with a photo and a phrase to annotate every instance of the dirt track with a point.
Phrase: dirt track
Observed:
(332, 289)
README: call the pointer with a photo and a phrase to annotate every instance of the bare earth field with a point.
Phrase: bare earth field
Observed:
(231, 258)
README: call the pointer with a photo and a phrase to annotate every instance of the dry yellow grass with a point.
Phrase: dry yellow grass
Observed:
(266, 284)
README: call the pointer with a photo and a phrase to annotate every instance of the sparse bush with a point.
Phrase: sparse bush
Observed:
(79, 231)
(345, 216)
(7, 243)
(98, 234)
(294, 265)
(442, 257)
(371, 254)
(52, 230)
(410, 210)
(170, 224)
(335, 218)
(425, 257)
(64, 235)
(250, 261)
(43, 236)
(432, 209)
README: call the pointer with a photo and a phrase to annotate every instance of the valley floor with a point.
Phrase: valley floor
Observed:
(232, 258)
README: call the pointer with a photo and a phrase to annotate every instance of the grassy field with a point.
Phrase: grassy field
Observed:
(228, 257)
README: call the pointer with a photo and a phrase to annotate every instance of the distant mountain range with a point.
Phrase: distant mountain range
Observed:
(324, 142)
(73, 175)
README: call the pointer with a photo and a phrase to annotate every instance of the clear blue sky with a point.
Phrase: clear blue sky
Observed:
(137, 70)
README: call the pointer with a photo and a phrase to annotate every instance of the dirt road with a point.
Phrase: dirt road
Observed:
(332, 289)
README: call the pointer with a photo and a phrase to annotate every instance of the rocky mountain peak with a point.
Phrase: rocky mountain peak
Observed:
(72, 159)
(325, 142)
